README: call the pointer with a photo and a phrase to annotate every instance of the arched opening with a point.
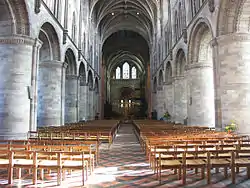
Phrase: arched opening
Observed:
(82, 92)
(180, 91)
(169, 89)
(96, 98)
(48, 84)
(201, 108)
(14, 18)
(160, 80)
(90, 95)
(125, 54)
(71, 98)
(168, 74)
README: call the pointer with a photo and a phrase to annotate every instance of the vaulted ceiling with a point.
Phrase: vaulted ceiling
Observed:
(126, 28)
(113, 15)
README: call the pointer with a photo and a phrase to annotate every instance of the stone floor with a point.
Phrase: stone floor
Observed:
(124, 165)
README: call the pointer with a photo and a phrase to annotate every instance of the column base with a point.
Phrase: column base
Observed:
(13, 136)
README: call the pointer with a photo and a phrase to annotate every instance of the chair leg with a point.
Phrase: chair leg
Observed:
(34, 180)
(184, 175)
(59, 176)
(248, 172)
(208, 175)
(225, 172)
(233, 175)
(10, 175)
(202, 173)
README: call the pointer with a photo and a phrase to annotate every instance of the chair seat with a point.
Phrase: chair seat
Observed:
(170, 163)
(4, 161)
(163, 156)
(219, 161)
(23, 162)
(69, 163)
(195, 162)
(47, 163)
(242, 161)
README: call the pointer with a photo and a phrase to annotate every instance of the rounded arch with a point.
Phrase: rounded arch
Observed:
(96, 87)
(14, 18)
(180, 62)
(71, 61)
(201, 29)
(155, 85)
(168, 72)
(160, 79)
(90, 79)
(230, 16)
(82, 73)
(50, 49)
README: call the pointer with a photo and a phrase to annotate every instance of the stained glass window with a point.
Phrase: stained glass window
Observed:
(118, 73)
(125, 74)
(134, 74)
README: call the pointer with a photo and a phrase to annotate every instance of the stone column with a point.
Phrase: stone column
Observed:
(169, 96)
(83, 103)
(160, 102)
(33, 88)
(200, 86)
(233, 82)
(15, 79)
(91, 104)
(180, 99)
(63, 78)
(49, 93)
(71, 84)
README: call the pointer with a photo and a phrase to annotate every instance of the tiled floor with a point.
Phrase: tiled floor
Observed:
(124, 165)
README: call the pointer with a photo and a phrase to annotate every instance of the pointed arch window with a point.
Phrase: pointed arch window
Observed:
(118, 73)
(125, 68)
(134, 73)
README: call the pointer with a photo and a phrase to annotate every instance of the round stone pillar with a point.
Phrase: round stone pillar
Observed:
(83, 92)
(91, 104)
(50, 93)
(180, 99)
(201, 110)
(169, 98)
(71, 98)
(233, 72)
(160, 102)
(16, 54)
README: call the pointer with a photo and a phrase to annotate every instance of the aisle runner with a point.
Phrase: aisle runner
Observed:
(124, 164)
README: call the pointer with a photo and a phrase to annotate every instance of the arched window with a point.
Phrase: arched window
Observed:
(134, 74)
(125, 74)
(118, 73)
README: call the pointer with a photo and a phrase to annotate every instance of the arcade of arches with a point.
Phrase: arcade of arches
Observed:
(66, 62)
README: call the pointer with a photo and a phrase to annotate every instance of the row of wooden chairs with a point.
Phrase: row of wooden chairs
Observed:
(170, 146)
(59, 161)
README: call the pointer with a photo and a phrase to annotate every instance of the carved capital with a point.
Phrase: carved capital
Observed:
(17, 39)
(51, 64)
(185, 35)
(171, 54)
(37, 6)
(211, 5)
(198, 66)
(79, 54)
(72, 77)
(65, 33)
(65, 65)
(214, 42)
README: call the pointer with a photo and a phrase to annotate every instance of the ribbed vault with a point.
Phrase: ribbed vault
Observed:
(113, 15)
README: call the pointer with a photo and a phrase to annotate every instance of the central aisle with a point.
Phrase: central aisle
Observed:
(124, 164)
